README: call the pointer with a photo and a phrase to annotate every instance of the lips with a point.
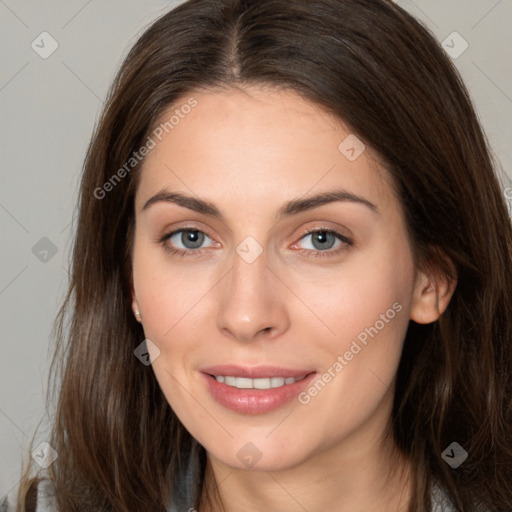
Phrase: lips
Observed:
(255, 399)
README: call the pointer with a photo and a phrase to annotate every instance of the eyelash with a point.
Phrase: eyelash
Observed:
(313, 253)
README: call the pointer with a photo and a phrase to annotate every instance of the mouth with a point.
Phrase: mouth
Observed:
(255, 390)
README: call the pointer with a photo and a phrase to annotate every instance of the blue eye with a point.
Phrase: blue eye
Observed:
(323, 240)
(191, 240)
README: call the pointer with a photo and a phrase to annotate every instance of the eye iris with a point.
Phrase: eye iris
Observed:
(322, 237)
(196, 238)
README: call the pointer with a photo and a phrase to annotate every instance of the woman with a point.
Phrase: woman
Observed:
(291, 276)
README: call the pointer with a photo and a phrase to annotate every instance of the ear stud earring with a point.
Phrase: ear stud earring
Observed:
(137, 315)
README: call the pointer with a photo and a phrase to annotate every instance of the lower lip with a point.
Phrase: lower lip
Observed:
(255, 401)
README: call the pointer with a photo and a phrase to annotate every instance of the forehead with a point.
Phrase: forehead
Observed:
(258, 143)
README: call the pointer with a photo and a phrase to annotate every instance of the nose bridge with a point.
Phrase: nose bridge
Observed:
(250, 302)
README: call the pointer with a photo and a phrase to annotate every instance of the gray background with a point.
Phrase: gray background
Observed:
(49, 108)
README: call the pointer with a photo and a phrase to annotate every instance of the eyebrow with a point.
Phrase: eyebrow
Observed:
(293, 207)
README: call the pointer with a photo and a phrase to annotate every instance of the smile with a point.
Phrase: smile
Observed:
(255, 390)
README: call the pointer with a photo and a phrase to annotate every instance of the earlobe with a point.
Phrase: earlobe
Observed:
(431, 296)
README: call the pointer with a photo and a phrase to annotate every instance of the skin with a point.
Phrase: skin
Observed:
(248, 152)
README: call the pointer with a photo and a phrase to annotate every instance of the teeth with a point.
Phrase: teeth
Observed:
(265, 383)
(276, 382)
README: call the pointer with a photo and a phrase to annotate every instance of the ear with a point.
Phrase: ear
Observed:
(431, 295)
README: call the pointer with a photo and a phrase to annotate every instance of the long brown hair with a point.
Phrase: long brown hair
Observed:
(119, 444)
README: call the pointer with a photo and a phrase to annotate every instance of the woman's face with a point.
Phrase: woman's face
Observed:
(254, 297)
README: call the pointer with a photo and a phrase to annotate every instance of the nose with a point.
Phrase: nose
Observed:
(252, 303)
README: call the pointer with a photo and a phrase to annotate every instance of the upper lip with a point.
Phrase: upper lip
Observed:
(254, 372)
